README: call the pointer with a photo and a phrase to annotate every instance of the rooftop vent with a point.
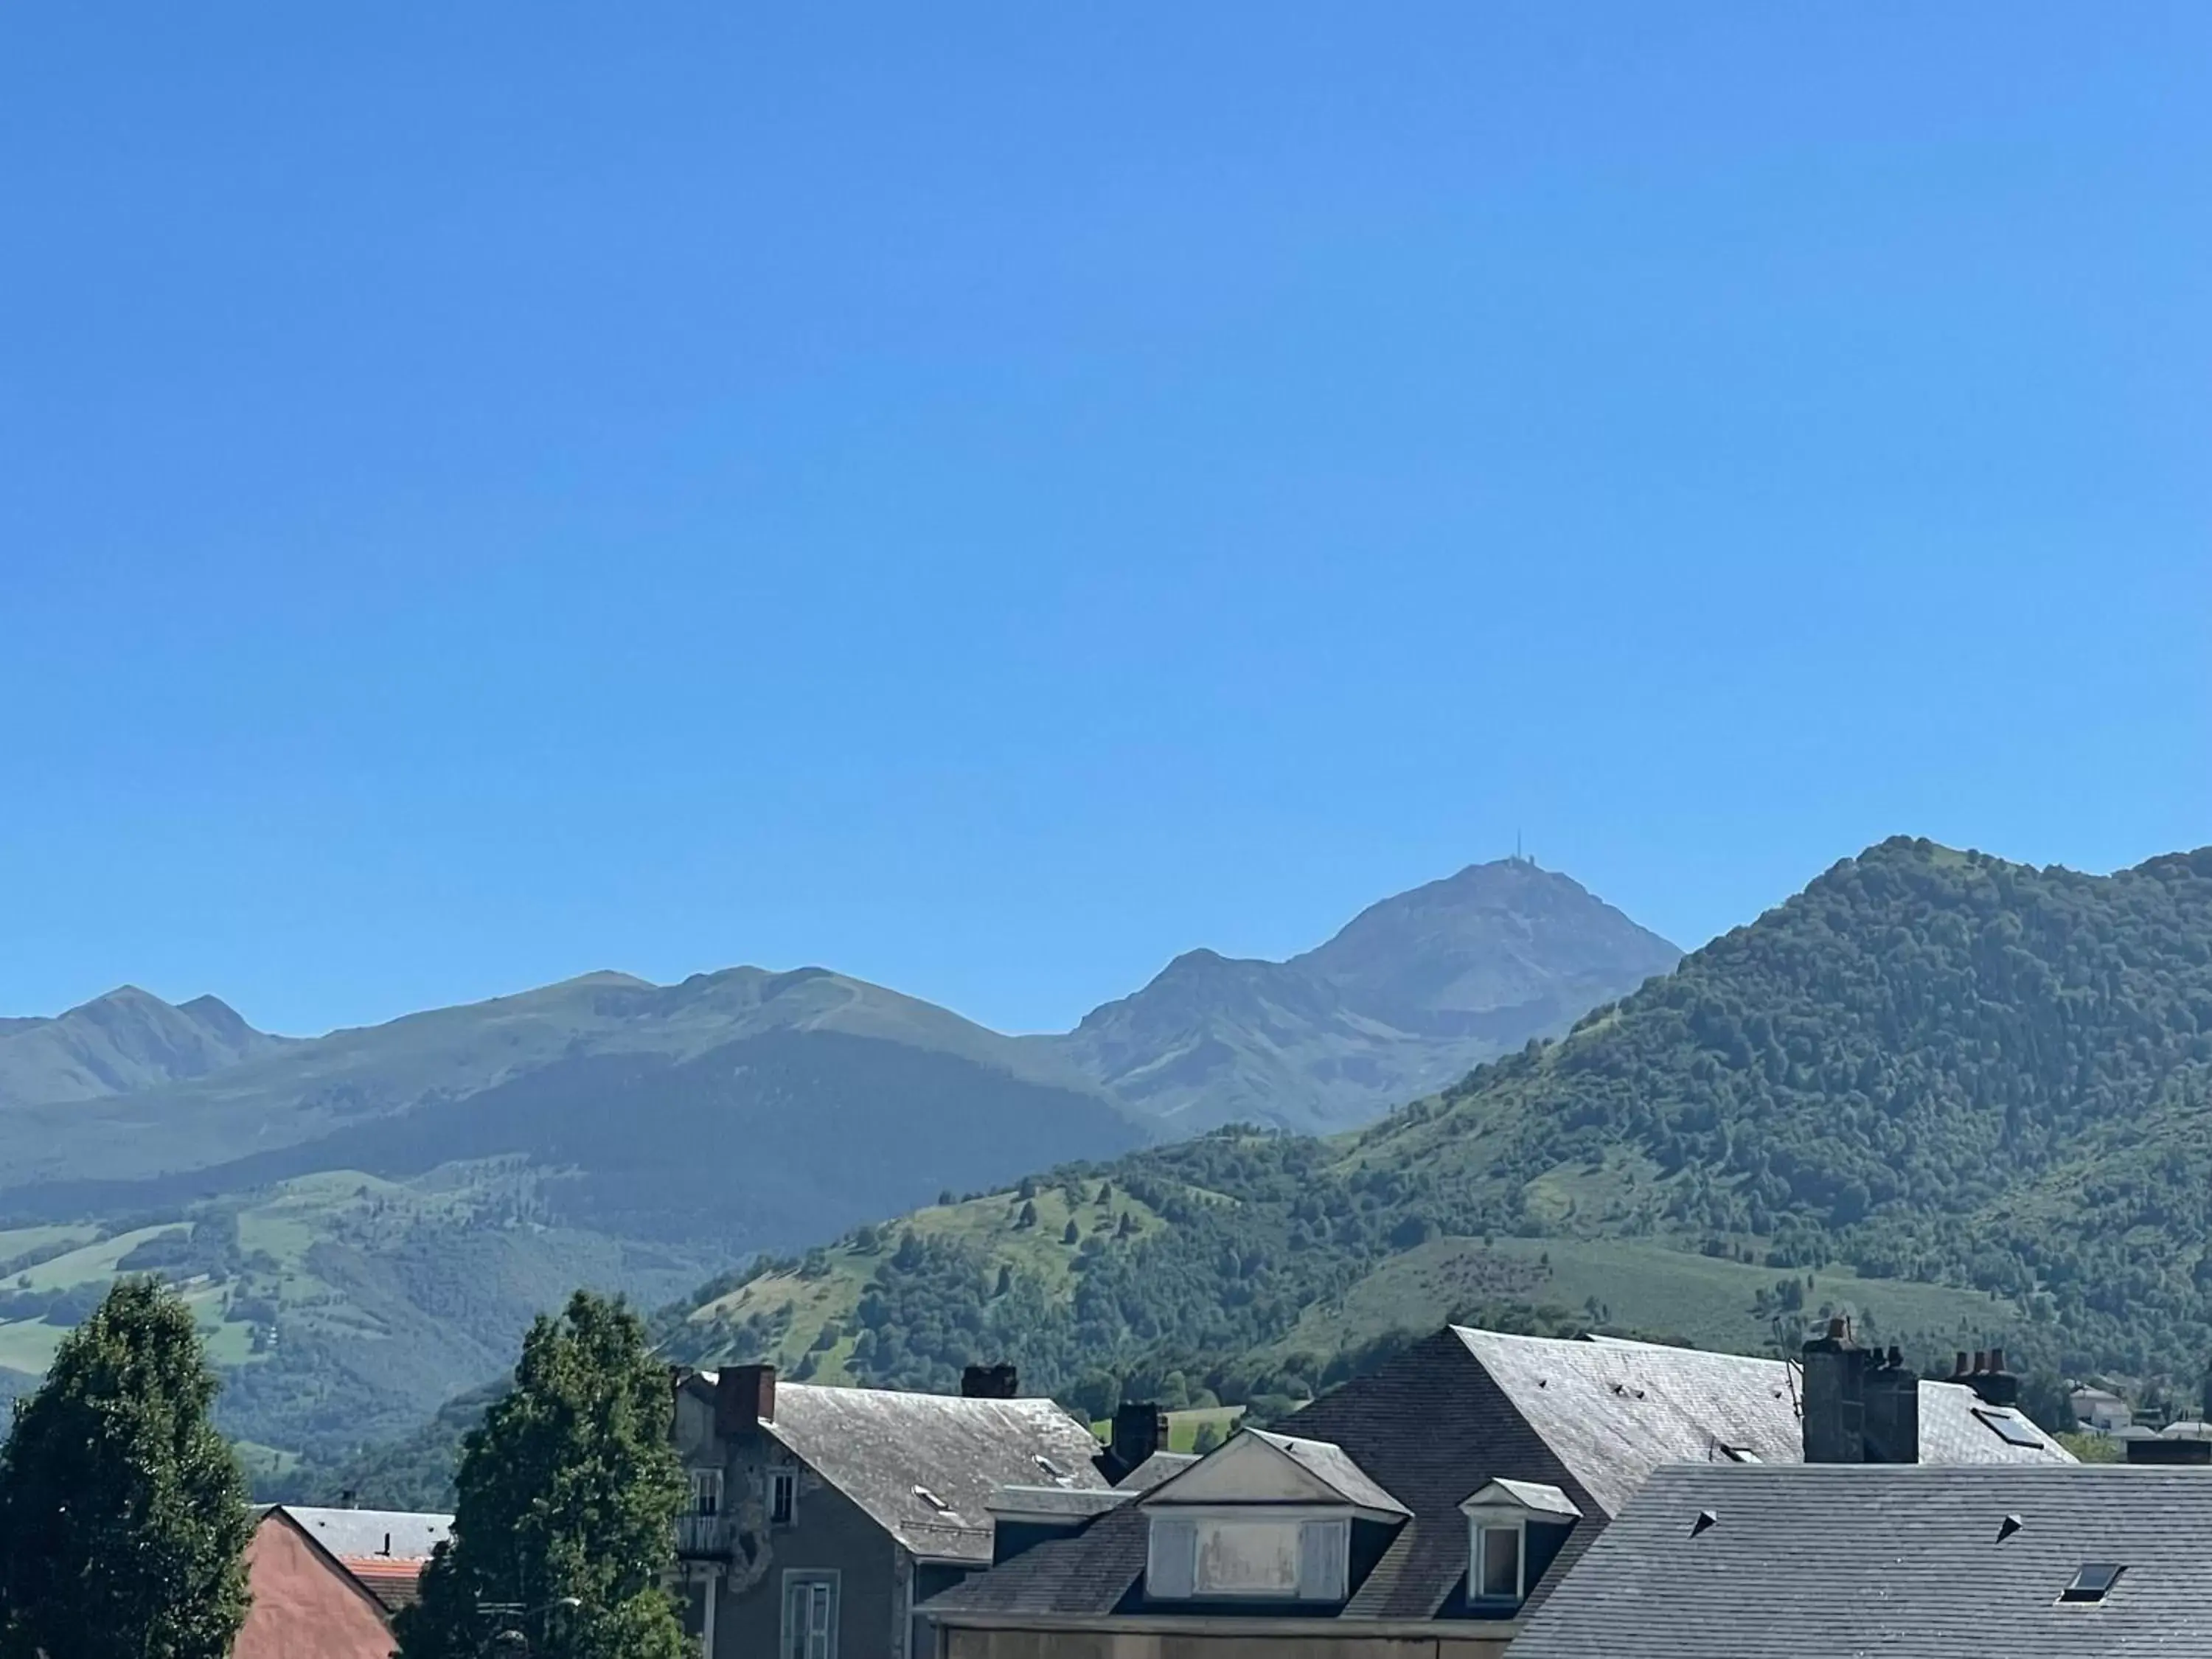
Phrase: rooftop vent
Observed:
(2093, 1583)
(1706, 1518)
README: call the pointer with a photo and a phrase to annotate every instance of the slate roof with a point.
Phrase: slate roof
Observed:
(1326, 1462)
(878, 1446)
(391, 1535)
(1463, 1407)
(1872, 1562)
(1615, 1411)
(1160, 1466)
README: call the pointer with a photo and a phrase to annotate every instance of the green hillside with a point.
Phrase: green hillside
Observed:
(1965, 1099)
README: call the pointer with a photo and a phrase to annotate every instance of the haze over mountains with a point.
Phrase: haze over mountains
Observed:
(370, 1215)
(1412, 993)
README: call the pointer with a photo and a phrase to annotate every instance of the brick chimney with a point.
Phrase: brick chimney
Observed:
(1990, 1380)
(744, 1398)
(1000, 1382)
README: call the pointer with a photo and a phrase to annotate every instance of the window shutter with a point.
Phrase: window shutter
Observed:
(1324, 1559)
(1171, 1572)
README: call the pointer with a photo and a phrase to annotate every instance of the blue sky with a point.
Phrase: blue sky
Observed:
(987, 497)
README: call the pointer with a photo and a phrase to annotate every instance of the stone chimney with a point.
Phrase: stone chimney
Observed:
(1990, 1380)
(1000, 1382)
(744, 1398)
(1140, 1428)
(1862, 1405)
(1891, 1392)
(1835, 1397)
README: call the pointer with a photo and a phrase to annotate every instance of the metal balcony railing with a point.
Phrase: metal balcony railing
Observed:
(703, 1537)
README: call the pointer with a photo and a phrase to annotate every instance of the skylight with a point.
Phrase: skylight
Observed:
(1050, 1468)
(1740, 1455)
(932, 1499)
(2093, 1582)
(2009, 1427)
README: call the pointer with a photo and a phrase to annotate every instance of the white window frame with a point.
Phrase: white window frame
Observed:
(783, 1486)
(1480, 1527)
(800, 1640)
(706, 1491)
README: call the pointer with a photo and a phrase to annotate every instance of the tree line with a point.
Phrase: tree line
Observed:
(124, 1524)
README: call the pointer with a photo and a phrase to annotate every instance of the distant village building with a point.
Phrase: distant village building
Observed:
(325, 1583)
(2101, 1412)
(1432, 1506)
(821, 1517)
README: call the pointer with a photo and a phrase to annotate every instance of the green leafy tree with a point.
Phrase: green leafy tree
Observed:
(122, 1517)
(566, 1503)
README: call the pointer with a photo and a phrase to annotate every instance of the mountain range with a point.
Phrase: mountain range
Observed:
(1968, 1101)
(366, 1219)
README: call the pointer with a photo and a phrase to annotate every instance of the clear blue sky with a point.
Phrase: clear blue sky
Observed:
(986, 497)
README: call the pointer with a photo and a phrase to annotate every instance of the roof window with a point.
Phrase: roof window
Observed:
(933, 1500)
(1741, 1454)
(1050, 1468)
(2093, 1582)
(2009, 1427)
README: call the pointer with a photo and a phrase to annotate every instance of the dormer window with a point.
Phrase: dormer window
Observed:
(1266, 1518)
(1513, 1529)
(1497, 1558)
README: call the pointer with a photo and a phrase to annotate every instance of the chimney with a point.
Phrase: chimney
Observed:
(998, 1382)
(1140, 1428)
(1835, 1397)
(744, 1398)
(2157, 1448)
(1961, 1368)
(1990, 1380)
(1891, 1390)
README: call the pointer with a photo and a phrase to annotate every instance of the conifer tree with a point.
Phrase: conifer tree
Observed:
(566, 1505)
(123, 1515)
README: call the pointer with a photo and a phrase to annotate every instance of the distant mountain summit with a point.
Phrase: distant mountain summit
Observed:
(123, 1042)
(1412, 993)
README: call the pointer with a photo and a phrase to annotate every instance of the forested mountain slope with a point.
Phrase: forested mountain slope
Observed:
(1966, 1098)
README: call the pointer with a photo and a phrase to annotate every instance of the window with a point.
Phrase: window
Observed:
(1498, 1564)
(706, 1491)
(1239, 1558)
(2093, 1583)
(782, 1496)
(809, 1615)
(2008, 1427)
(1739, 1455)
(932, 1499)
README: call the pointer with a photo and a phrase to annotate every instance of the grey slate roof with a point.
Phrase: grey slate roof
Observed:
(1323, 1460)
(1869, 1562)
(399, 1534)
(878, 1446)
(1463, 1407)
(1615, 1411)
(1160, 1466)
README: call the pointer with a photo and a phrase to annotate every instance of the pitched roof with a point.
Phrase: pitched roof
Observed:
(1613, 1411)
(1462, 1408)
(395, 1584)
(1160, 1466)
(1256, 1466)
(892, 1453)
(392, 1534)
(1875, 1562)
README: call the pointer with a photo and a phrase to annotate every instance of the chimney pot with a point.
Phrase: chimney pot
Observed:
(1961, 1365)
(1140, 1428)
(1839, 1329)
(1996, 1359)
(1981, 1362)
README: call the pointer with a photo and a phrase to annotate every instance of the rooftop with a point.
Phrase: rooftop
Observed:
(1883, 1562)
(925, 1466)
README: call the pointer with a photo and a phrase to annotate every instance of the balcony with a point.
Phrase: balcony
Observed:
(704, 1537)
